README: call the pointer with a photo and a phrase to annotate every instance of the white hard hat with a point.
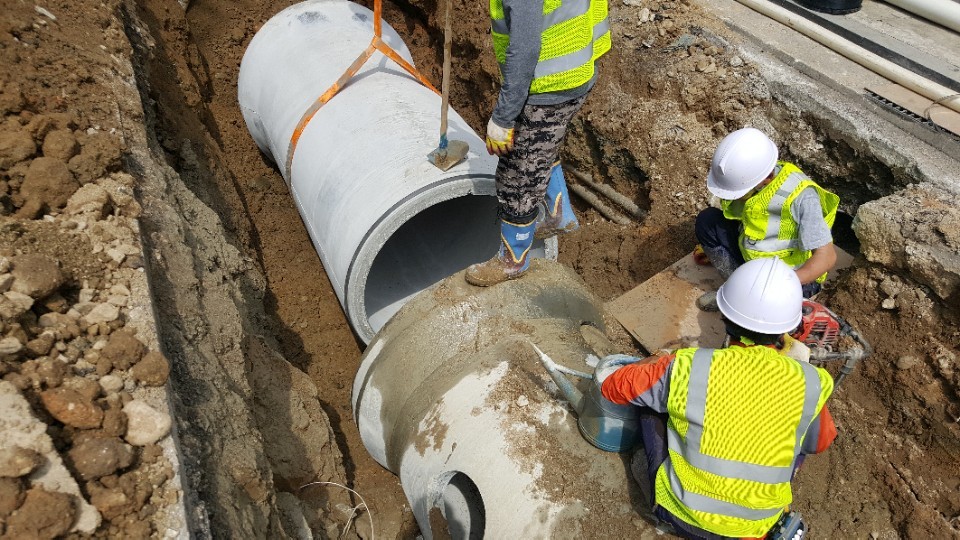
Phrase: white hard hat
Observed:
(763, 295)
(742, 160)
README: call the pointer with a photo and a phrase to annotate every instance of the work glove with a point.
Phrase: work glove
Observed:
(499, 139)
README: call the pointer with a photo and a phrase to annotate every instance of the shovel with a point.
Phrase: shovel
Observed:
(448, 153)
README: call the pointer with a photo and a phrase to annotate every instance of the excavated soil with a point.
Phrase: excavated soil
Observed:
(670, 89)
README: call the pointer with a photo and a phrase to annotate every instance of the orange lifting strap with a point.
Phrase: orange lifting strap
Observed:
(376, 44)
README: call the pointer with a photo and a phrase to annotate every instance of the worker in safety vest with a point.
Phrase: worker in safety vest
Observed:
(768, 208)
(726, 428)
(546, 51)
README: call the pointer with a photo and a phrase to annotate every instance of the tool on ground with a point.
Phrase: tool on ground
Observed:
(448, 153)
(790, 526)
(821, 329)
(606, 425)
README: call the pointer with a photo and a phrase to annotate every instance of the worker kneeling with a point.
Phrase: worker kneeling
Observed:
(728, 427)
(768, 208)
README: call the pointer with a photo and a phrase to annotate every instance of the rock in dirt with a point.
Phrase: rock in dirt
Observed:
(14, 304)
(49, 183)
(908, 361)
(60, 144)
(10, 346)
(111, 384)
(11, 99)
(91, 200)
(16, 461)
(100, 154)
(43, 514)
(11, 495)
(35, 275)
(102, 313)
(152, 370)
(123, 349)
(15, 146)
(95, 458)
(145, 425)
(72, 408)
(19, 427)
(895, 231)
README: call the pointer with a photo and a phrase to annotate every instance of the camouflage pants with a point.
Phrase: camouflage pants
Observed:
(523, 173)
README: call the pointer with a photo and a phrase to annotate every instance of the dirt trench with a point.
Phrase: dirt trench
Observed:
(666, 96)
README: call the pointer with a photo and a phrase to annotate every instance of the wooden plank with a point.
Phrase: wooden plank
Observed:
(661, 313)
(917, 104)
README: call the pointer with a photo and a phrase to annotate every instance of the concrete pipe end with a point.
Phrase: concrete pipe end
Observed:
(423, 239)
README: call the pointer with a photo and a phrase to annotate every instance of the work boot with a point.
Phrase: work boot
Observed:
(708, 301)
(558, 217)
(512, 260)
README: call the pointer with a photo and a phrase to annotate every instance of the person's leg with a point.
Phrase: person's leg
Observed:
(522, 177)
(558, 215)
(719, 237)
(647, 460)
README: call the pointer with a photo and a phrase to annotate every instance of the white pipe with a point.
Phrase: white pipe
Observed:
(943, 12)
(386, 223)
(865, 58)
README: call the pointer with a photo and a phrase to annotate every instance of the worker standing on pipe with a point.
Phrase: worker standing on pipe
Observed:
(724, 430)
(547, 52)
(768, 208)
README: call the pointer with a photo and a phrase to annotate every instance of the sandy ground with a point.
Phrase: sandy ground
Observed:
(671, 88)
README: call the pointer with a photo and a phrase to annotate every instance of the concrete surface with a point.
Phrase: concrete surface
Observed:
(804, 74)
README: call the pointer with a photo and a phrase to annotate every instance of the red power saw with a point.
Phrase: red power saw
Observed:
(821, 329)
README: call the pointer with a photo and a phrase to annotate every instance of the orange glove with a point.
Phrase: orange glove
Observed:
(499, 139)
(700, 257)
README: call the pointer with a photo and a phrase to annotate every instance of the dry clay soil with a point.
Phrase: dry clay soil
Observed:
(671, 88)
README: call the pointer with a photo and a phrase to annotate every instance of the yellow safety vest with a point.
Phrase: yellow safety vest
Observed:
(575, 34)
(769, 229)
(737, 420)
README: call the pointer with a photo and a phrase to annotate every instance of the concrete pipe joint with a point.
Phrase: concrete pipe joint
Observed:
(452, 397)
(386, 223)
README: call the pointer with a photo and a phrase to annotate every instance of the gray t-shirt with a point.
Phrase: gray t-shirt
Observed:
(808, 213)
(524, 20)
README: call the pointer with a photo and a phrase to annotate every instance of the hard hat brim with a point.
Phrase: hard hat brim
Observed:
(730, 195)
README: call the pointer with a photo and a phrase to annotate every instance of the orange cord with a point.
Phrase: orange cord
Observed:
(376, 44)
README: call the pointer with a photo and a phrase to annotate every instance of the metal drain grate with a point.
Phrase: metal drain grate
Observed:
(908, 114)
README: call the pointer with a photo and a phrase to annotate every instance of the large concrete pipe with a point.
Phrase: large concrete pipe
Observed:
(451, 397)
(386, 223)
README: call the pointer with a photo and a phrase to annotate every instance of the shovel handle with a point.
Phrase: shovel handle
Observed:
(445, 83)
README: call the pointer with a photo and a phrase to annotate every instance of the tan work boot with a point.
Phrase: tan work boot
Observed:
(496, 270)
(512, 260)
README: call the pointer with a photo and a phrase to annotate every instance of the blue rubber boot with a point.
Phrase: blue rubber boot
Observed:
(558, 216)
(512, 260)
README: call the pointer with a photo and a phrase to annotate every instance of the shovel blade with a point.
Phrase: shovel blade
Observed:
(445, 158)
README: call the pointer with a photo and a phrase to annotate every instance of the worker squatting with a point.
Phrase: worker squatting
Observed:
(724, 430)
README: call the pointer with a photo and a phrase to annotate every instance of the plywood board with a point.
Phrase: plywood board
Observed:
(940, 115)
(662, 313)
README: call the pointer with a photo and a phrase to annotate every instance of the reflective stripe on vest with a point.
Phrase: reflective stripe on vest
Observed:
(772, 230)
(578, 28)
(688, 468)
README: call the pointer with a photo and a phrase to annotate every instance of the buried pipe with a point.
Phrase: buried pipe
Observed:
(385, 222)
(879, 65)
(452, 398)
